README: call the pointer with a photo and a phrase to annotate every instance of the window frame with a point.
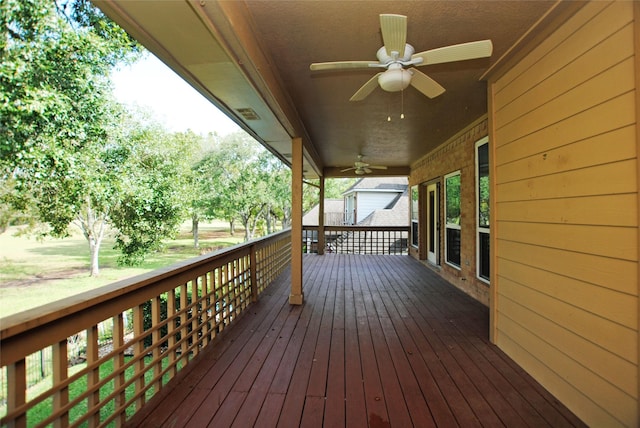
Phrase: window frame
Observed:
(480, 229)
(452, 226)
(415, 206)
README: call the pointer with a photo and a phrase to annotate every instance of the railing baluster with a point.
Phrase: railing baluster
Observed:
(204, 309)
(118, 362)
(138, 352)
(156, 338)
(171, 332)
(184, 345)
(61, 397)
(195, 316)
(93, 377)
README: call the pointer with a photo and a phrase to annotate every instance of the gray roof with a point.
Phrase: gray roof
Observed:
(330, 206)
(397, 214)
(379, 183)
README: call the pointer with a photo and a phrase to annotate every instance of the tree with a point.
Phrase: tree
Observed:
(153, 200)
(240, 180)
(333, 189)
(278, 177)
(70, 152)
(54, 76)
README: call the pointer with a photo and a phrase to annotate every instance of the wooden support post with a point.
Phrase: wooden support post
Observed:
(321, 218)
(296, 297)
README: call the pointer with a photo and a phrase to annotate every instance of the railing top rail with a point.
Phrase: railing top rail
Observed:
(83, 306)
(360, 228)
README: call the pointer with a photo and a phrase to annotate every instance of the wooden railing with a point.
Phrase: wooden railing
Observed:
(358, 239)
(173, 314)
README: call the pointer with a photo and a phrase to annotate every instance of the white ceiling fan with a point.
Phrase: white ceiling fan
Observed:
(362, 168)
(396, 56)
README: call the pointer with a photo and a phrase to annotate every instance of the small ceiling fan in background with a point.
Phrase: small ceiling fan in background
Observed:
(396, 56)
(362, 168)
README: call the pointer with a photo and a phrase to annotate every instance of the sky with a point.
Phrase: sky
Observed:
(150, 83)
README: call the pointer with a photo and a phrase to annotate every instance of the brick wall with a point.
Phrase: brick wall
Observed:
(456, 154)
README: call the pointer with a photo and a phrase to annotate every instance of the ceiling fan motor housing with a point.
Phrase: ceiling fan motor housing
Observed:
(386, 58)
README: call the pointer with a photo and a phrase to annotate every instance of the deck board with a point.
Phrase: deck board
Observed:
(380, 341)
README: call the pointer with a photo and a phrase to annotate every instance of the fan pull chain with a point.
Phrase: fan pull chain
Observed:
(389, 111)
(402, 104)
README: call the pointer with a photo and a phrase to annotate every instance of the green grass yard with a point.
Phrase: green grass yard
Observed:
(34, 272)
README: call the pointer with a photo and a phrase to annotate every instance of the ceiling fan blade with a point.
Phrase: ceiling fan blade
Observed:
(366, 89)
(394, 33)
(367, 170)
(426, 84)
(348, 169)
(341, 65)
(461, 52)
(377, 167)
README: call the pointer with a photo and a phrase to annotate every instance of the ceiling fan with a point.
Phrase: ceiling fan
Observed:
(396, 56)
(362, 168)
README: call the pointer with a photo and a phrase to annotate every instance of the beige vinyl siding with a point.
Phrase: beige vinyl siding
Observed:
(565, 185)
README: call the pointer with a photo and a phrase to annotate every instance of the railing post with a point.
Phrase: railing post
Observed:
(17, 391)
(253, 273)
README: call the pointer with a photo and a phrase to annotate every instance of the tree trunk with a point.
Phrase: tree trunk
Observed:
(94, 246)
(268, 220)
(247, 230)
(194, 228)
(95, 265)
(232, 227)
(93, 227)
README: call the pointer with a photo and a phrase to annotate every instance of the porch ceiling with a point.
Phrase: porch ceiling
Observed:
(252, 59)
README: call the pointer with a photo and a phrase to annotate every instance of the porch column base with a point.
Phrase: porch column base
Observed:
(296, 299)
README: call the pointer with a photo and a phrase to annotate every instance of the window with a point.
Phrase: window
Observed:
(414, 216)
(452, 218)
(482, 209)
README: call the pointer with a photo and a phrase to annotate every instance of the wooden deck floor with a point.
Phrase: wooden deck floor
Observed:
(381, 341)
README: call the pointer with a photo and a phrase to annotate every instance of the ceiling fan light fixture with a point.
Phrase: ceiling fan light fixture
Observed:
(394, 79)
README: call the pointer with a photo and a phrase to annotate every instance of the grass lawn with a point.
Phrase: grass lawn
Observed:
(35, 272)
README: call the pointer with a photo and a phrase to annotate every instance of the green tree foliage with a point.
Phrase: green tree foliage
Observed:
(452, 192)
(54, 73)
(333, 189)
(154, 188)
(278, 177)
(68, 152)
(238, 180)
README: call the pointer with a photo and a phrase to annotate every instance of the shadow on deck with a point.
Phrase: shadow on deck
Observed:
(380, 341)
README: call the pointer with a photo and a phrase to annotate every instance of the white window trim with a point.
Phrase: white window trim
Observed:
(417, 220)
(479, 229)
(450, 225)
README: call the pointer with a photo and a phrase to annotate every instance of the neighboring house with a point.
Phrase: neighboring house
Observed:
(371, 201)
(333, 213)
(371, 194)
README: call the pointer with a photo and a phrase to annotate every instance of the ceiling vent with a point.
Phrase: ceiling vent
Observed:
(248, 113)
